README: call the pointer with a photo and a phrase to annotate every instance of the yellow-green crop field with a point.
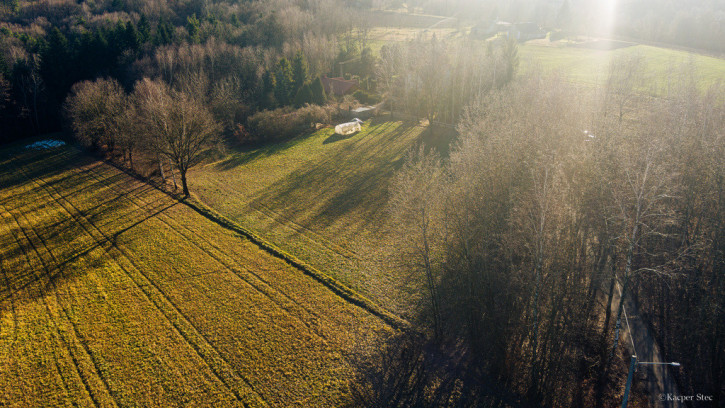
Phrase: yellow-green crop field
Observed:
(116, 294)
(320, 197)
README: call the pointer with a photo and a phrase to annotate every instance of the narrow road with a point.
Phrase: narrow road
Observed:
(659, 382)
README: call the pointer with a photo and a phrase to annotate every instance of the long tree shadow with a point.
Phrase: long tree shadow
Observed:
(360, 179)
(411, 370)
(64, 218)
(336, 137)
(248, 153)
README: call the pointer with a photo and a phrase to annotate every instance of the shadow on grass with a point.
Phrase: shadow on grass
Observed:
(16, 158)
(354, 179)
(335, 137)
(438, 138)
(61, 221)
(410, 370)
(246, 154)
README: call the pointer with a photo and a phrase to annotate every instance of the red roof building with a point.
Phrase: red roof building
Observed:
(339, 86)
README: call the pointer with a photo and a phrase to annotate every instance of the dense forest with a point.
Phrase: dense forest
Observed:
(553, 198)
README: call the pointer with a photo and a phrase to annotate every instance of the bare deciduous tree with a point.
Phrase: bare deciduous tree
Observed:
(179, 128)
(96, 109)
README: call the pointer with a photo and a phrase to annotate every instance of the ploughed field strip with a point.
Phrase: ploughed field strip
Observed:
(115, 294)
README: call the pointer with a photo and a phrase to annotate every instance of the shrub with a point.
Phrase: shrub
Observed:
(557, 35)
(304, 95)
(366, 98)
(285, 123)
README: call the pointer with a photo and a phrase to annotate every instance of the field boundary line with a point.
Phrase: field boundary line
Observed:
(312, 235)
(331, 283)
(262, 286)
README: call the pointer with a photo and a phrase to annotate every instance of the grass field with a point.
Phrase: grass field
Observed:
(320, 196)
(590, 65)
(115, 294)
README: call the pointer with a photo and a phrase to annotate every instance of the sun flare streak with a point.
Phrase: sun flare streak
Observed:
(608, 17)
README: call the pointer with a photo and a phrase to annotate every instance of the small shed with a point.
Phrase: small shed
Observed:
(348, 128)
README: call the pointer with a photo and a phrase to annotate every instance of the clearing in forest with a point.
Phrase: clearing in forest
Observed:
(115, 294)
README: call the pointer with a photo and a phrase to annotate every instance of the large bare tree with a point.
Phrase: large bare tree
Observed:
(95, 109)
(179, 128)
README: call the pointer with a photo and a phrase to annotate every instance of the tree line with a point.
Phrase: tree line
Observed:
(553, 197)
(164, 122)
(696, 24)
(236, 49)
(437, 79)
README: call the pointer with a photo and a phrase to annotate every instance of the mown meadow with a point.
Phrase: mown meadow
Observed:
(117, 294)
(322, 197)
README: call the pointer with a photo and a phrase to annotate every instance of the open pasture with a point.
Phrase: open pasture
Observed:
(112, 293)
(662, 67)
(321, 197)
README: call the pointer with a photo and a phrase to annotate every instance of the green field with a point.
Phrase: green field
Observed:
(320, 196)
(115, 294)
(590, 65)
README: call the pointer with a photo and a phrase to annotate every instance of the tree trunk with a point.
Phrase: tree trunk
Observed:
(161, 170)
(184, 186)
(535, 336)
(620, 309)
(608, 312)
(173, 176)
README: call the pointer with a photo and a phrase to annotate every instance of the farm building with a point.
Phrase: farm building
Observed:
(339, 86)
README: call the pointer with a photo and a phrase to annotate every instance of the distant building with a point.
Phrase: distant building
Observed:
(520, 31)
(339, 86)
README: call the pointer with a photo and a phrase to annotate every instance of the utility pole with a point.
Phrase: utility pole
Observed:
(632, 368)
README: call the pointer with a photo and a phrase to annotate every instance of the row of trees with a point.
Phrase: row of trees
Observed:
(451, 76)
(550, 198)
(697, 24)
(166, 123)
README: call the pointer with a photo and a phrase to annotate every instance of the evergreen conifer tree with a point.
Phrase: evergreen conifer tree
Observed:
(318, 92)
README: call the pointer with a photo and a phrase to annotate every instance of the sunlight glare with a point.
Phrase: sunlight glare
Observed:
(608, 11)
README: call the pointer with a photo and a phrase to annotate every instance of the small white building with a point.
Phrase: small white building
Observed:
(349, 128)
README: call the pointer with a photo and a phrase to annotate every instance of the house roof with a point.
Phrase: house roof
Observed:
(338, 86)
